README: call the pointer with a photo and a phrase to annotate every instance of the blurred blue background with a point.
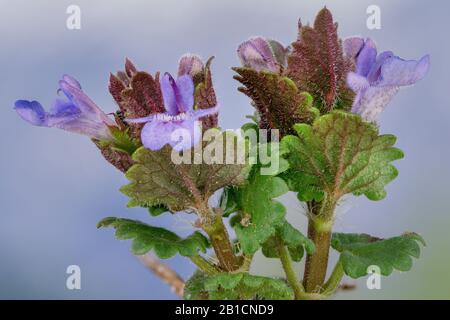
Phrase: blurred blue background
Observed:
(55, 186)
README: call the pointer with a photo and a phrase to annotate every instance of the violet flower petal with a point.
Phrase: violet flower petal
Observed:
(366, 58)
(185, 93)
(375, 73)
(157, 133)
(398, 72)
(168, 93)
(352, 46)
(31, 111)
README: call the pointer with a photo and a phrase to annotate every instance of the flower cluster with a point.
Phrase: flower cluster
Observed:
(321, 95)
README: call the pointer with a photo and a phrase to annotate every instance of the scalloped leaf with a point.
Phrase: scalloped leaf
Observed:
(359, 251)
(295, 241)
(341, 154)
(279, 102)
(157, 180)
(165, 243)
(243, 286)
(317, 64)
(258, 214)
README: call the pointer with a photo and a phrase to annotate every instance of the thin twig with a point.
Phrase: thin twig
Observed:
(166, 273)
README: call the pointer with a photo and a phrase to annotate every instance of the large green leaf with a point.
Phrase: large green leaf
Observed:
(359, 251)
(341, 154)
(157, 180)
(237, 286)
(165, 243)
(293, 239)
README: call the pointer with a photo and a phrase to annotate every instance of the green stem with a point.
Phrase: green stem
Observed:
(291, 276)
(334, 281)
(221, 244)
(204, 265)
(212, 224)
(319, 231)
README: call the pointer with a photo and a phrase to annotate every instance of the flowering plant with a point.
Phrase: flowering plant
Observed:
(314, 132)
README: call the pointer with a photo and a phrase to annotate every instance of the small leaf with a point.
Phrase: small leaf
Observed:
(123, 141)
(359, 251)
(157, 180)
(279, 103)
(340, 154)
(243, 286)
(165, 243)
(317, 64)
(295, 241)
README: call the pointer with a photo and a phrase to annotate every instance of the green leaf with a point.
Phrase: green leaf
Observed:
(165, 243)
(359, 251)
(295, 241)
(341, 154)
(303, 184)
(157, 210)
(259, 215)
(229, 201)
(123, 141)
(194, 288)
(279, 102)
(243, 286)
(157, 180)
(317, 64)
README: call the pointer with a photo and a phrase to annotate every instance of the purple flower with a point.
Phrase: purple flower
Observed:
(262, 54)
(379, 77)
(78, 113)
(179, 125)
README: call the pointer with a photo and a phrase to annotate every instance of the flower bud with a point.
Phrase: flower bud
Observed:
(262, 54)
(190, 64)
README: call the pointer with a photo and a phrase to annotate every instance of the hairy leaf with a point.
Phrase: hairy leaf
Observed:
(137, 94)
(359, 251)
(295, 241)
(317, 64)
(278, 101)
(243, 286)
(165, 243)
(157, 180)
(341, 154)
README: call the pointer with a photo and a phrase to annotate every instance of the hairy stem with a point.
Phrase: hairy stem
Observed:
(220, 241)
(319, 231)
(291, 276)
(317, 263)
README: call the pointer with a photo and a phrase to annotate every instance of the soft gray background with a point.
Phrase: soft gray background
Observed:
(55, 186)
